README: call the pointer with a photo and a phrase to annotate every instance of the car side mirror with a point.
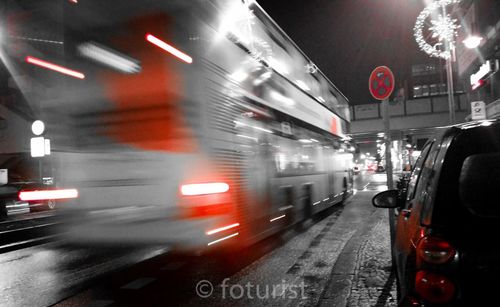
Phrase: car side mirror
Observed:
(386, 199)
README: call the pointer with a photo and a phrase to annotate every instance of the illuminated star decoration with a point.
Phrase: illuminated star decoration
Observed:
(444, 28)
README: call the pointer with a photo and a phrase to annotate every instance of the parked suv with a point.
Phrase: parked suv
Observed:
(445, 248)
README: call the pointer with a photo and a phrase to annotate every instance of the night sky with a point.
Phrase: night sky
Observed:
(347, 39)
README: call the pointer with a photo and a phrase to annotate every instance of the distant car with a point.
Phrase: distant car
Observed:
(372, 167)
(355, 170)
(380, 169)
(10, 203)
(445, 248)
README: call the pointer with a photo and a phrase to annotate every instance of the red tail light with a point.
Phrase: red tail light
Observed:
(54, 67)
(204, 188)
(169, 48)
(48, 194)
(434, 250)
(434, 288)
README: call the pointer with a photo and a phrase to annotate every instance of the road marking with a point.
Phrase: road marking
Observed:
(138, 283)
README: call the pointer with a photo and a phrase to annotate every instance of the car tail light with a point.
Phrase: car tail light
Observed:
(205, 199)
(204, 188)
(54, 67)
(48, 194)
(169, 48)
(434, 288)
(434, 250)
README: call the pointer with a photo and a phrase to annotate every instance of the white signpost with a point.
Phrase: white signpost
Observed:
(478, 110)
(39, 145)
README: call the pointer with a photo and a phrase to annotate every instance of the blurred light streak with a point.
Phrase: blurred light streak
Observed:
(237, 20)
(239, 76)
(109, 57)
(211, 232)
(37, 40)
(278, 66)
(247, 137)
(262, 129)
(262, 78)
(254, 127)
(281, 98)
(222, 239)
(48, 194)
(16, 205)
(302, 85)
(204, 188)
(168, 48)
(54, 67)
(277, 218)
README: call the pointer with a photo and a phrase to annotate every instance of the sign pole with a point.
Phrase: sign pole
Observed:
(387, 133)
(388, 166)
(451, 98)
(381, 85)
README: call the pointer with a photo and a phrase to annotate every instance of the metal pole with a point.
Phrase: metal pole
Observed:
(388, 166)
(449, 76)
(451, 98)
(40, 169)
(388, 159)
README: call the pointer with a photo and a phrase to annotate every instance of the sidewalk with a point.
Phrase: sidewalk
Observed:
(341, 260)
(362, 275)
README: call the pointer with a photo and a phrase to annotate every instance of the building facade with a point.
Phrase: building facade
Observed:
(477, 67)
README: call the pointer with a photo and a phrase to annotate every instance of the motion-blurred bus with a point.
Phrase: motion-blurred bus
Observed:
(197, 124)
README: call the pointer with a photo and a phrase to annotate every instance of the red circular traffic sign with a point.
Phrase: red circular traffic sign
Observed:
(381, 83)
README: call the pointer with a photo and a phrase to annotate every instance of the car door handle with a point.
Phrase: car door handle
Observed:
(406, 213)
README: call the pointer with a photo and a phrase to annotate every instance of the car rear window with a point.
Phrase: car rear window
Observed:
(448, 209)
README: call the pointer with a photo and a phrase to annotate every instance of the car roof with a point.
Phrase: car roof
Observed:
(477, 124)
(453, 130)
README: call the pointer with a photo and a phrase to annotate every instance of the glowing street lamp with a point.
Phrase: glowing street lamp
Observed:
(473, 41)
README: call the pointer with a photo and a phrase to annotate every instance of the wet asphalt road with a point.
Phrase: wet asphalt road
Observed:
(293, 268)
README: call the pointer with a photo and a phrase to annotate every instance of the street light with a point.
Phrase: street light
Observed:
(473, 41)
